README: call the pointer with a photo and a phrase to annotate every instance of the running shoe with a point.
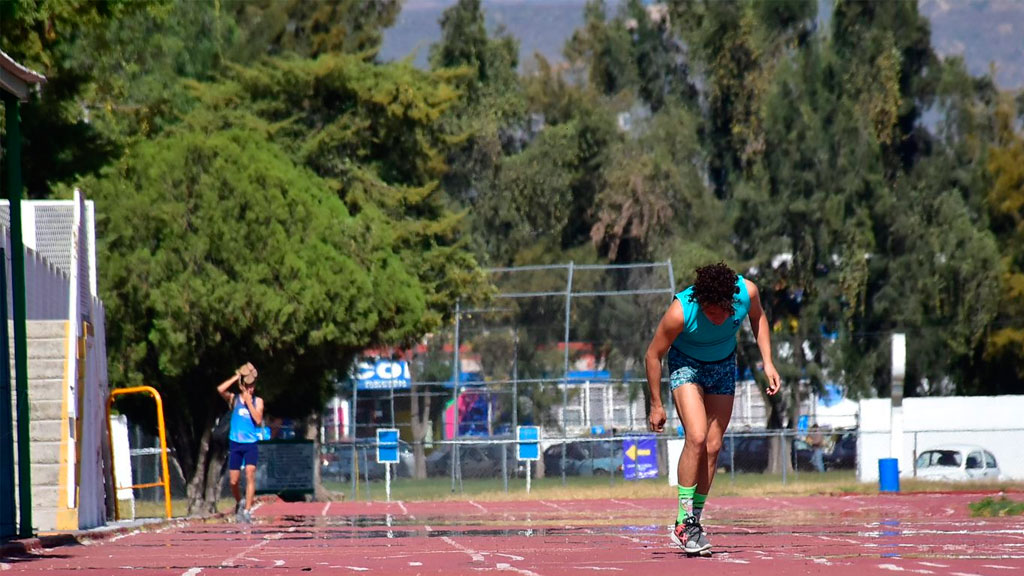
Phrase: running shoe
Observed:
(240, 510)
(690, 537)
(247, 517)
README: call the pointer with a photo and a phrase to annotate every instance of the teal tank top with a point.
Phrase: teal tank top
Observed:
(702, 339)
(243, 429)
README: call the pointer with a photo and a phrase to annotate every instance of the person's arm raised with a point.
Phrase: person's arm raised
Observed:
(222, 388)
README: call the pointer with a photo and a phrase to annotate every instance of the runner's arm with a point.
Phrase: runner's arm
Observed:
(222, 388)
(668, 329)
(759, 326)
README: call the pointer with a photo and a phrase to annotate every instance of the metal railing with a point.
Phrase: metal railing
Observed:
(165, 477)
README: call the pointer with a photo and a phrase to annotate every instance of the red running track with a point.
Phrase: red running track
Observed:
(929, 534)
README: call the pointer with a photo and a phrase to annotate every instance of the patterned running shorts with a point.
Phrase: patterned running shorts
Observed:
(714, 377)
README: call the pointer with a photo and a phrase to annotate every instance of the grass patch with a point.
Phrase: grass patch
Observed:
(583, 488)
(155, 508)
(990, 507)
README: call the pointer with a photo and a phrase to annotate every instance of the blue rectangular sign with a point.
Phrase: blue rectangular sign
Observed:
(382, 375)
(528, 443)
(640, 458)
(387, 445)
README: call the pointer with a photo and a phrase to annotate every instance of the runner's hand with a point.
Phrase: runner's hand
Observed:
(774, 381)
(656, 420)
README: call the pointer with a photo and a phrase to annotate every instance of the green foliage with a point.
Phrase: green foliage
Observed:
(989, 507)
(311, 29)
(1004, 350)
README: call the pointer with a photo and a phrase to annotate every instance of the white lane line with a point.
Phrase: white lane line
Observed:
(628, 503)
(243, 554)
(555, 506)
(476, 556)
(324, 511)
(415, 563)
(357, 568)
(278, 563)
(479, 507)
(191, 572)
(964, 574)
(599, 568)
(402, 506)
(997, 567)
(630, 538)
(510, 568)
(934, 564)
(509, 556)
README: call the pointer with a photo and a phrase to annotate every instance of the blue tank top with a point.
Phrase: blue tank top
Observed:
(701, 338)
(243, 429)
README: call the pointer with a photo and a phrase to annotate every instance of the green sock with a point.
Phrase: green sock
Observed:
(698, 505)
(685, 500)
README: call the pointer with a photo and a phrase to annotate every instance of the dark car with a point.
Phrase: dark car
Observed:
(843, 454)
(476, 460)
(750, 453)
(600, 458)
(574, 454)
(336, 460)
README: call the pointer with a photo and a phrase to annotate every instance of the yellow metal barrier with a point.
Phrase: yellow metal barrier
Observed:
(165, 480)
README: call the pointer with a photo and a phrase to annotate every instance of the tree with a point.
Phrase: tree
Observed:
(334, 215)
(311, 29)
(1003, 364)
(60, 143)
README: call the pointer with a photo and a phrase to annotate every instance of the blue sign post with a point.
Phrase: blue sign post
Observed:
(639, 458)
(528, 447)
(387, 454)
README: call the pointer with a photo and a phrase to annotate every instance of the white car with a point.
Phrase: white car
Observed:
(956, 462)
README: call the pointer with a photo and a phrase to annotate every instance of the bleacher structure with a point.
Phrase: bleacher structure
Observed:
(67, 367)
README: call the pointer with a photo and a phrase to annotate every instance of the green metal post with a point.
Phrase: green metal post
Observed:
(8, 511)
(13, 157)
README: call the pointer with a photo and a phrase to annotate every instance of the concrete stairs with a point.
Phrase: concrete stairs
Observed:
(46, 351)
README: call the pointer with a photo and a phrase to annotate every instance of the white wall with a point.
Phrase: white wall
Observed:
(995, 423)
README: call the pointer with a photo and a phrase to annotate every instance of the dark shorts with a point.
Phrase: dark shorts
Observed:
(714, 377)
(242, 452)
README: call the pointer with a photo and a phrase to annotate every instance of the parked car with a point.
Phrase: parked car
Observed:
(751, 453)
(843, 455)
(746, 453)
(336, 460)
(600, 458)
(574, 454)
(956, 462)
(477, 460)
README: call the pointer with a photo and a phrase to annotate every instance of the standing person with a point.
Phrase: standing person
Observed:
(817, 443)
(246, 421)
(698, 332)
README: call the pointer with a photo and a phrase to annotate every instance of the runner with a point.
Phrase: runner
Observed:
(246, 420)
(698, 332)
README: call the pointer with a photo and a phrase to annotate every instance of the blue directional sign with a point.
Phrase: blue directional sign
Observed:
(527, 442)
(387, 445)
(639, 458)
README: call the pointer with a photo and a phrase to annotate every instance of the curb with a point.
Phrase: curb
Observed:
(37, 544)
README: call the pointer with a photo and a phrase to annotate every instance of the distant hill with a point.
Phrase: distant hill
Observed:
(540, 26)
(983, 31)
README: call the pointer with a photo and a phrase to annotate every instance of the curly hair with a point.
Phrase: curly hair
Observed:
(715, 286)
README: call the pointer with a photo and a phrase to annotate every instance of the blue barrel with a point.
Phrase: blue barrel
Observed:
(888, 475)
